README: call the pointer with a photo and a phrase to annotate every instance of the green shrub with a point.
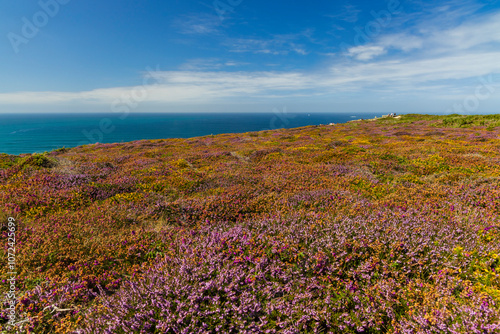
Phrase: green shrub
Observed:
(37, 161)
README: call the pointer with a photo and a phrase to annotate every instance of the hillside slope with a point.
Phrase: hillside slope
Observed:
(387, 226)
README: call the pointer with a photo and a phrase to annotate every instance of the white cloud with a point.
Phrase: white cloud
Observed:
(363, 52)
(428, 61)
(468, 35)
(424, 72)
(197, 24)
(277, 45)
(179, 86)
(348, 13)
(209, 64)
(403, 42)
(397, 76)
(431, 39)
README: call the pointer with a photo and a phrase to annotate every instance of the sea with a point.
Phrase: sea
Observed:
(37, 133)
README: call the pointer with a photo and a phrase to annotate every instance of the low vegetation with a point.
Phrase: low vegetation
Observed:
(387, 226)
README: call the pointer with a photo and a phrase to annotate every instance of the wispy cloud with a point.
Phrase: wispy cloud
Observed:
(366, 52)
(209, 64)
(199, 24)
(468, 35)
(348, 13)
(203, 87)
(278, 44)
(481, 33)
(420, 73)
(423, 58)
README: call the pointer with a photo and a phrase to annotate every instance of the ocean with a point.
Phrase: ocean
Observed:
(36, 133)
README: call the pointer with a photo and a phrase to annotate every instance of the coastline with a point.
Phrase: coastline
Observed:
(41, 133)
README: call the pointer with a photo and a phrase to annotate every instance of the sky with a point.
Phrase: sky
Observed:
(436, 57)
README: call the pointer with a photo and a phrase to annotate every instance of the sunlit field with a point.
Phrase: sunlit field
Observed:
(373, 226)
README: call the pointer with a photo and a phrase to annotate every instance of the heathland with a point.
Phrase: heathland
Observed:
(373, 226)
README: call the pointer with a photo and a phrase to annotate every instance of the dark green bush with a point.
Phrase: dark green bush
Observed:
(37, 161)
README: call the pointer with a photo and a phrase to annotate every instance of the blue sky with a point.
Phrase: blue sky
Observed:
(250, 55)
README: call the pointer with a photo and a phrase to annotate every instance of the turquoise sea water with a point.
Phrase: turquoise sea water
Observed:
(30, 133)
